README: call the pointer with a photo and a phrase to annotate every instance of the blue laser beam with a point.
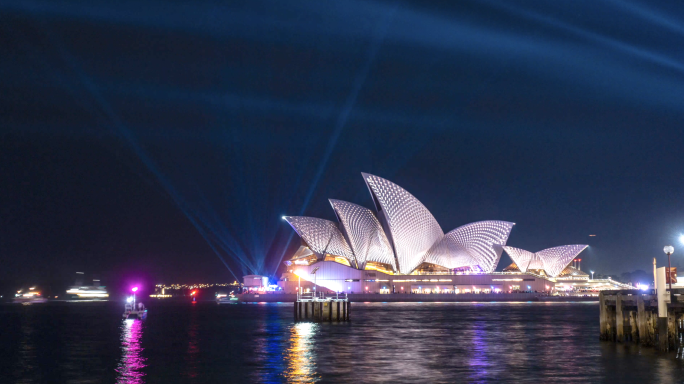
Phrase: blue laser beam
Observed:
(376, 41)
(116, 121)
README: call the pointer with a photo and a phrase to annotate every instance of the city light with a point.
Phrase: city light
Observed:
(134, 289)
(681, 238)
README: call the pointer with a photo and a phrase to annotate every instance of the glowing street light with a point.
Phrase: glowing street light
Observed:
(315, 278)
(681, 239)
(668, 251)
(592, 275)
(134, 289)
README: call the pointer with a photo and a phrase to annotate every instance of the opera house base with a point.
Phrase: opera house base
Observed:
(414, 298)
(331, 277)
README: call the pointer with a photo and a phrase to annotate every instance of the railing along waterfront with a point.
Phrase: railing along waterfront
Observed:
(321, 296)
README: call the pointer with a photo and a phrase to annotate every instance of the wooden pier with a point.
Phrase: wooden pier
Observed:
(310, 307)
(634, 316)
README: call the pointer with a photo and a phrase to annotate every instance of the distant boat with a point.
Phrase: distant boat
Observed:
(222, 298)
(95, 291)
(92, 292)
(31, 296)
(130, 313)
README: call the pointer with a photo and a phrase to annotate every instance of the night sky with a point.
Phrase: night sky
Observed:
(166, 139)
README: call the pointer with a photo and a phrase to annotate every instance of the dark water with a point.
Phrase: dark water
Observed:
(393, 343)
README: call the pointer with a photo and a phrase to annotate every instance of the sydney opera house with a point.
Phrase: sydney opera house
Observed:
(400, 248)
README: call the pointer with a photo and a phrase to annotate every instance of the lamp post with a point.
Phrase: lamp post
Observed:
(592, 275)
(315, 285)
(134, 290)
(668, 251)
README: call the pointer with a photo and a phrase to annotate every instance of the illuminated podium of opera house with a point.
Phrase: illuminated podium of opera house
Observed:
(400, 248)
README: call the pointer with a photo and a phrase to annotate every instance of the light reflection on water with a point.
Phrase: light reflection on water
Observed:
(386, 343)
(130, 368)
(301, 362)
(192, 353)
(27, 364)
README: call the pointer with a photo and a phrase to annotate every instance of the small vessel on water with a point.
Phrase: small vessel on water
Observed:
(222, 298)
(29, 297)
(81, 291)
(90, 292)
(133, 312)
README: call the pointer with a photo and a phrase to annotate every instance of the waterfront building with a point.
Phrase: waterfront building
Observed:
(255, 282)
(400, 248)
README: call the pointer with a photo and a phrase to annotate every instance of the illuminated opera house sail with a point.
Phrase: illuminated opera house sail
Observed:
(551, 261)
(399, 247)
(400, 237)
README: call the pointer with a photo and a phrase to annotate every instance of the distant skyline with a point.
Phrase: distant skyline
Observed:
(164, 141)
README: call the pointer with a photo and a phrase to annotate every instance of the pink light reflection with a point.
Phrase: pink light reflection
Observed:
(130, 368)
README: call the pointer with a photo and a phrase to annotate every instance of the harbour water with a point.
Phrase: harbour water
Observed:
(260, 343)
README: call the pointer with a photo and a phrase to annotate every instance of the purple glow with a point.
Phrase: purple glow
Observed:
(134, 289)
(130, 368)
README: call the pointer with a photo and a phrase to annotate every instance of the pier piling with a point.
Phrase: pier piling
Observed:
(619, 318)
(635, 316)
(642, 321)
(321, 308)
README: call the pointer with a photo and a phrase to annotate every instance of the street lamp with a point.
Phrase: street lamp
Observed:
(315, 285)
(668, 251)
(134, 290)
(592, 275)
